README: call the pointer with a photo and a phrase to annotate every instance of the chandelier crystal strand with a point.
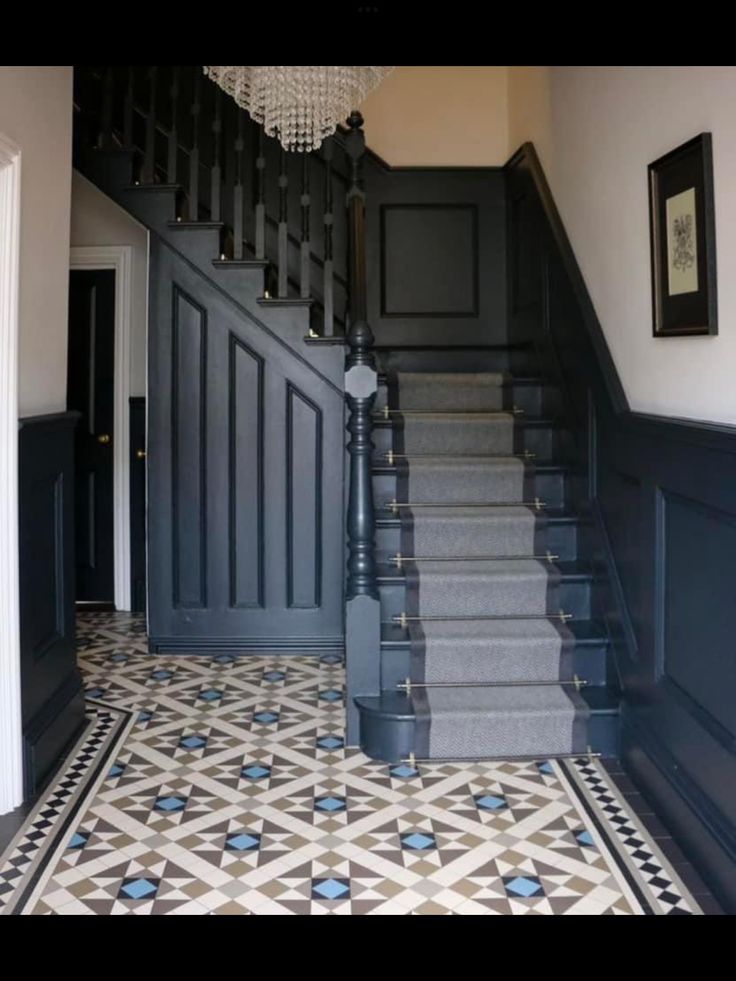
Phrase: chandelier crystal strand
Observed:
(300, 105)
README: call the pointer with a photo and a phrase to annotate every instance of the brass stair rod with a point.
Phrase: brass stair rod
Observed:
(410, 685)
(588, 754)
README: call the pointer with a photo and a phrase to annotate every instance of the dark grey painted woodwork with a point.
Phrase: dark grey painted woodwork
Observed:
(436, 240)
(304, 465)
(660, 495)
(188, 450)
(441, 279)
(51, 686)
(246, 479)
(245, 438)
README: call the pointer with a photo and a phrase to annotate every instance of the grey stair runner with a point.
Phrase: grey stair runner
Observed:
(508, 701)
(447, 532)
(435, 479)
(442, 391)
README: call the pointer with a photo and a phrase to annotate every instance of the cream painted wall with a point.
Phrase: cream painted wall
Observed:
(530, 111)
(97, 220)
(608, 123)
(446, 115)
(36, 113)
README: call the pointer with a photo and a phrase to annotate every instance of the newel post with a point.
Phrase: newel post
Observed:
(362, 614)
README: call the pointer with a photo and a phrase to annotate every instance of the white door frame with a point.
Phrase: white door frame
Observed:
(11, 735)
(119, 258)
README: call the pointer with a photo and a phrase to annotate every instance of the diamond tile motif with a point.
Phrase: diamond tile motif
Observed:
(255, 771)
(138, 888)
(266, 718)
(192, 742)
(243, 842)
(523, 885)
(330, 742)
(489, 802)
(170, 803)
(330, 804)
(418, 841)
(330, 888)
(226, 788)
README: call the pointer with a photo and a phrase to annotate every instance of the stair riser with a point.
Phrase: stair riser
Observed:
(574, 598)
(548, 487)
(544, 441)
(589, 663)
(244, 285)
(392, 740)
(561, 541)
(109, 169)
(521, 362)
(152, 207)
(535, 400)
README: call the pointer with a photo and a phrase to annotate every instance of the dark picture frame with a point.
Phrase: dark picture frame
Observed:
(683, 240)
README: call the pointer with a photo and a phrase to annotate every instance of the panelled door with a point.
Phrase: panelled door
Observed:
(90, 391)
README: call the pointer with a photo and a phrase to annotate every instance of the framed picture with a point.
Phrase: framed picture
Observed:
(683, 240)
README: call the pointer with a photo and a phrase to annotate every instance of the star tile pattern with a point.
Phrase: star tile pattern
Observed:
(221, 785)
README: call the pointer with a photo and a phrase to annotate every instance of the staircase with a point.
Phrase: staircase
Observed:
(488, 645)
(469, 605)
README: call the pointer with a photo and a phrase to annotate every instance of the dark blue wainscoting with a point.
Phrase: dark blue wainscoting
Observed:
(51, 685)
(660, 498)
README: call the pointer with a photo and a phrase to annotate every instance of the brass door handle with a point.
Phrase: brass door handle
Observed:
(140, 454)
(103, 438)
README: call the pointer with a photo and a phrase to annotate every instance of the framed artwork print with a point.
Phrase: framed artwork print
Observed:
(683, 240)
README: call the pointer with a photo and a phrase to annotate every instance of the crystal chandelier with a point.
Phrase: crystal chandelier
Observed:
(299, 105)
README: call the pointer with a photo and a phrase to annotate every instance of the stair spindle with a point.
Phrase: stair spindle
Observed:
(194, 152)
(306, 243)
(261, 197)
(128, 109)
(283, 236)
(216, 173)
(328, 266)
(150, 148)
(238, 198)
(360, 384)
(173, 130)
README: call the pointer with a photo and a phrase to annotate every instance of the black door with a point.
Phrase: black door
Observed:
(90, 390)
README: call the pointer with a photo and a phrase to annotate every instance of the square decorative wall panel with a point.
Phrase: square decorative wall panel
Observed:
(429, 260)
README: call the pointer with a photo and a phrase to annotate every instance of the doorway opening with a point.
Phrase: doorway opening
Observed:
(98, 386)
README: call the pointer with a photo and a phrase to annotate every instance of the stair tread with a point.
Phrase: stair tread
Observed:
(591, 633)
(148, 186)
(397, 706)
(202, 225)
(554, 516)
(509, 378)
(547, 467)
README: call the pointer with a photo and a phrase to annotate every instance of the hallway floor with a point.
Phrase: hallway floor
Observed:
(221, 785)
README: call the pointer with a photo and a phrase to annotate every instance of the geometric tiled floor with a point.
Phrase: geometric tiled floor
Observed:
(221, 785)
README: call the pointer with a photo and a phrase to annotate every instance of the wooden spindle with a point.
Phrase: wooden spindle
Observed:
(283, 236)
(360, 385)
(261, 197)
(328, 266)
(149, 158)
(173, 129)
(128, 108)
(194, 152)
(105, 140)
(306, 243)
(238, 197)
(216, 172)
